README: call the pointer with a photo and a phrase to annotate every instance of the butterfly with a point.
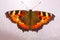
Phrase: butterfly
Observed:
(29, 20)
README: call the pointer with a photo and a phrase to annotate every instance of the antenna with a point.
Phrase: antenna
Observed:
(28, 7)
(24, 4)
(36, 5)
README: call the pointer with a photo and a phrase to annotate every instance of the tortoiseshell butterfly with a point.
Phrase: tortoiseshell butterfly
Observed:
(29, 20)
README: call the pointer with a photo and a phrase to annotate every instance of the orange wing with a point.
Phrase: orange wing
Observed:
(22, 19)
(15, 16)
(44, 17)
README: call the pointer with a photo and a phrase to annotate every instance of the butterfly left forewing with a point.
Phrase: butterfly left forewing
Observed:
(13, 15)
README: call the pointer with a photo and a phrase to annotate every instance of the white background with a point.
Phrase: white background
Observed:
(10, 31)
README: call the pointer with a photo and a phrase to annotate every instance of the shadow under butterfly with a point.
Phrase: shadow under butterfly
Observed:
(29, 20)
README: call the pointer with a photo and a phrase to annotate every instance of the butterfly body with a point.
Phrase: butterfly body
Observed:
(29, 20)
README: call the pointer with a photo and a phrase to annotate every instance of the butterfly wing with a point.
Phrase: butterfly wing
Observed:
(29, 20)
(19, 17)
(44, 18)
